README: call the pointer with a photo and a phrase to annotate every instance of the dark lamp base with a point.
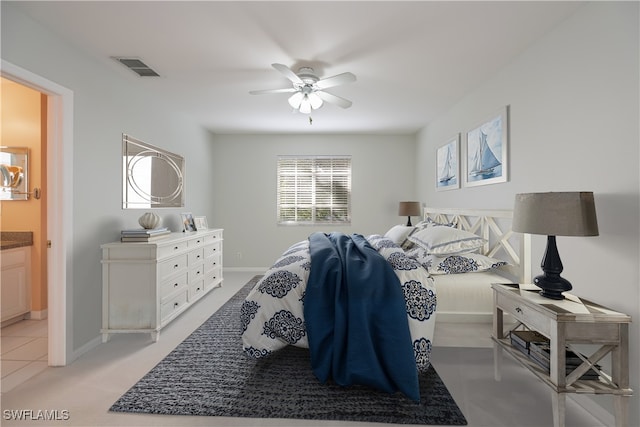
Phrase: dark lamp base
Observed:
(552, 287)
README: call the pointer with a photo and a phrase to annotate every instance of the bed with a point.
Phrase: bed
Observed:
(291, 304)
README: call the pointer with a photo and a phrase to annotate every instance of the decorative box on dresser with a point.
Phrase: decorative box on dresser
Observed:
(146, 285)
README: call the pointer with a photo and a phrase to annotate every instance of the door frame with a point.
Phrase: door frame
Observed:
(59, 208)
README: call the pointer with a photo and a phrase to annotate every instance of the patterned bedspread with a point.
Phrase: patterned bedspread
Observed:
(273, 315)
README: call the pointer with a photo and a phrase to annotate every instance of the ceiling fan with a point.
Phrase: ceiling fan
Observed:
(309, 90)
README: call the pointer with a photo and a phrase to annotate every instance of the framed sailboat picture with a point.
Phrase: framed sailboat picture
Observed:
(448, 165)
(486, 151)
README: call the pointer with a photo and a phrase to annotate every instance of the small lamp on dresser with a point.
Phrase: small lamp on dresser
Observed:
(554, 214)
(409, 209)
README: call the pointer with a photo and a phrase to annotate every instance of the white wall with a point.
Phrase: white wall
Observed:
(106, 104)
(574, 125)
(244, 188)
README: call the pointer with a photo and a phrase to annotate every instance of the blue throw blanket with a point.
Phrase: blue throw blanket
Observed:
(356, 317)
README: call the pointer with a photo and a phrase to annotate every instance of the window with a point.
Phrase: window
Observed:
(314, 190)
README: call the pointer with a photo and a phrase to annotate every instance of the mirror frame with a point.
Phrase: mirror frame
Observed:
(142, 164)
(17, 190)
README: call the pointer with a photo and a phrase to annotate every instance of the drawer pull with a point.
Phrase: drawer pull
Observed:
(175, 248)
(175, 285)
(175, 304)
(518, 309)
(197, 256)
(175, 266)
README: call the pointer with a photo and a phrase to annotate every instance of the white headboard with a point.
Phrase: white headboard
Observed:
(495, 227)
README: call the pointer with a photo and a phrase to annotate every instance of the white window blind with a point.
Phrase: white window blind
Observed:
(314, 190)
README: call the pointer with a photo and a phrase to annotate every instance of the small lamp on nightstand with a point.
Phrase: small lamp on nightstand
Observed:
(409, 209)
(554, 214)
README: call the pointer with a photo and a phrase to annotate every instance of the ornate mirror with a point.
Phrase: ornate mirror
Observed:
(152, 177)
(14, 164)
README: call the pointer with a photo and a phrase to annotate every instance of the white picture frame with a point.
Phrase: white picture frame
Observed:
(187, 222)
(201, 222)
(486, 149)
(448, 165)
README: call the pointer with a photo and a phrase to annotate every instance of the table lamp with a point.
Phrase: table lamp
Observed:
(409, 209)
(554, 214)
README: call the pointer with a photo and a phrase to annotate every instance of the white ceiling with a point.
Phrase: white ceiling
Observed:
(413, 60)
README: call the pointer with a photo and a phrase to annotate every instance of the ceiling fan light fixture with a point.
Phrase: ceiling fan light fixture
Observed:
(308, 89)
(305, 105)
(315, 101)
(296, 99)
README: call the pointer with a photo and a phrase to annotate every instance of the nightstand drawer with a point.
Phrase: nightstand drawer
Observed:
(525, 314)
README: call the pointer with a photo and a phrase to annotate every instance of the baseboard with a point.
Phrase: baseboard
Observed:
(85, 348)
(463, 317)
(245, 269)
(38, 314)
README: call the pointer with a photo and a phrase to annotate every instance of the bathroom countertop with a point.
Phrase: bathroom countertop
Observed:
(15, 239)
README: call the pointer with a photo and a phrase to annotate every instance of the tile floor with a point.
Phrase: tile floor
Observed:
(86, 388)
(23, 352)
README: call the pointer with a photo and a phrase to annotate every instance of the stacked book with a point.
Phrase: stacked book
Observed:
(538, 349)
(143, 234)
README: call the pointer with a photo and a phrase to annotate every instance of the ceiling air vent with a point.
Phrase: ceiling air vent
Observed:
(137, 66)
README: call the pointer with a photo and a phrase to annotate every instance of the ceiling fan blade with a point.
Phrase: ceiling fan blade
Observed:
(339, 79)
(288, 73)
(333, 99)
(260, 92)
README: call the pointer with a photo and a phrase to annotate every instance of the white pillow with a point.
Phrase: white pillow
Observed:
(399, 233)
(443, 240)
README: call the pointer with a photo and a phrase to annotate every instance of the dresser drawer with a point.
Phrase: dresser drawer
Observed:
(173, 305)
(213, 277)
(196, 290)
(195, 256)
(170, 286)
(196, 241)
(172, 249)
(213, 237)
(525, 314)
(212, 262)
(172, 266)
(213, 249)
(196, 273)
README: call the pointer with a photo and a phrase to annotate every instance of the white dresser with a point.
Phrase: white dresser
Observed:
(147, 285)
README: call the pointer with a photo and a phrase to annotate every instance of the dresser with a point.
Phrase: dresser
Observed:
(147, 285)
(567, 324)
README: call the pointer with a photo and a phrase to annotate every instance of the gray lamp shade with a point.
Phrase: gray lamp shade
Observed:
(555, 214)
(409, 209)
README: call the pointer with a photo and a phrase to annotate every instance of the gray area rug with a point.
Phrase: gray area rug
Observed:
(208, 374)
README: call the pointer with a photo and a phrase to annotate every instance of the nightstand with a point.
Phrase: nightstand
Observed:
(566, 322)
